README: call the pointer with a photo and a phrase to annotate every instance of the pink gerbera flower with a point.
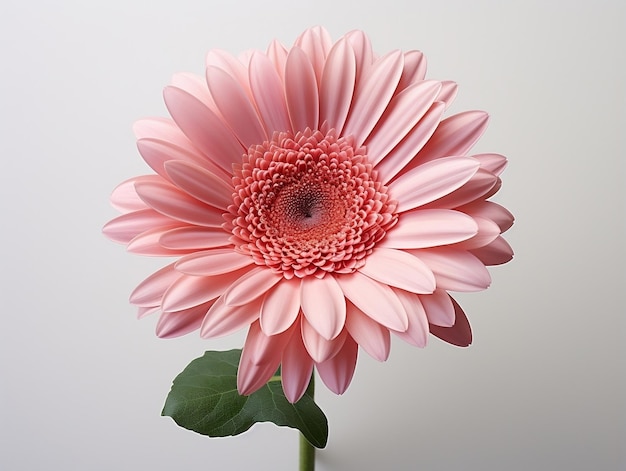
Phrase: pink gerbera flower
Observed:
(316, 196)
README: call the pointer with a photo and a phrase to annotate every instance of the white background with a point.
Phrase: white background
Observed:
(82, 382)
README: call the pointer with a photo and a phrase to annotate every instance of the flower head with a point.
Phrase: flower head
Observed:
(317, 196)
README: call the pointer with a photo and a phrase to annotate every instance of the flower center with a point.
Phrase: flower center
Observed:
(308, 204)
(307, 210)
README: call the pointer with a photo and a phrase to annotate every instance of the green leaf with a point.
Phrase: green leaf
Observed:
(204, 399)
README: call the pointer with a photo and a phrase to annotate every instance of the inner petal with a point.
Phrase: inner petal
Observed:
(309, 204)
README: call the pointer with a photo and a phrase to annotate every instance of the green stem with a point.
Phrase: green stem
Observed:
(307, 451)
(307, 455)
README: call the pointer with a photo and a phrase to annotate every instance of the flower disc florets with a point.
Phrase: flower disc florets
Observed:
(309, 204)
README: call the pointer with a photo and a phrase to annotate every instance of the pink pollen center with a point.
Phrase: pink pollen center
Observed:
(309, 204)
(308, 211)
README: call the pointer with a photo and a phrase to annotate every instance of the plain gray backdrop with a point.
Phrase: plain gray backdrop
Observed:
(82, 382)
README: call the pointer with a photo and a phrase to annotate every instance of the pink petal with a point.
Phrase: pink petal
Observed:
(277, 53)
(400, 269)
(245, 56)
(223, 320)
(362, 52)
(250, 286)
(494, 163)
(414, 69)
(375, 299)
(439, 308)
(176, 324)
(496, 253)
(296, 368)
(204, 128)
(405, 151)
(431, 181)
(455, 270)
(150, 291)
(202, 184)
(369, 334)
(213, 262)
(170, 201)
(192, 237)
(161, 140)
(259, 359)
(156, 153)
(496, 187)
(147, 243)
(230, 64)
(301, 91)
(125, 198)
(337, 372)
(490, 210)
(251, 377)
(417, 333)
(164, 130)
(280, 307)
(460, 334)
(337, 85)
(235, 107)
(189, 291)
(487, 233)
(373, 95)
(455, 136)
(194, 85)
(477, 187)
(320, 348)
(324, 305)
(316, 43)
(448, 92)
(124, 228)
(268, 92)
(403, 113)
(268, 347)
(424, 228)
(146, 311)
